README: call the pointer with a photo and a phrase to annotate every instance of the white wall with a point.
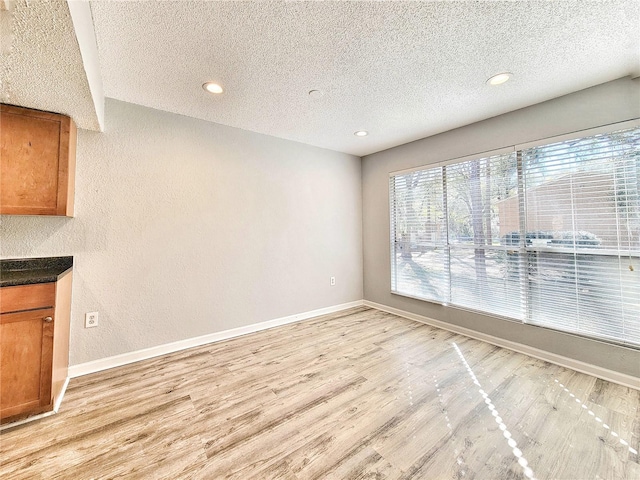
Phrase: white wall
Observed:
(185, 228)
(608, 103)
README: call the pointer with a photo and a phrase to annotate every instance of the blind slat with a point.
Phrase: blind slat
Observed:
(562, 251)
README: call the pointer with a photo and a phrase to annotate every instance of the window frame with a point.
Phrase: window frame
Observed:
(524, 250)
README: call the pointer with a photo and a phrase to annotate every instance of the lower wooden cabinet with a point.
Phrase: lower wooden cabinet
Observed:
(26, 347)
(34, 347)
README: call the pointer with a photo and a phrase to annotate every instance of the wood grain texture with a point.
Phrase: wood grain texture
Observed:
(27, 297)
(356, 394)
(66, 166)
(34, 353)
(26, 343)
(37, 159)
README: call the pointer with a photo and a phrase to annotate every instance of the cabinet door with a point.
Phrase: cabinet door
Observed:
(35, 162)
(26, 349)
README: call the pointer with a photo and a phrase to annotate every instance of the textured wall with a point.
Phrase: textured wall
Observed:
(185, 228)
(607, 103)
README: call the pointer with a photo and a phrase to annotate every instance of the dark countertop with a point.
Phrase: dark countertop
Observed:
(27, 271)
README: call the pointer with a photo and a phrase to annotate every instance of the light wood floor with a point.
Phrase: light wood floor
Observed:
(358, 394)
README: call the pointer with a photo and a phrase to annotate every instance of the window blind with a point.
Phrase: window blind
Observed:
(419, 236)
(485, 271)
(548, 235)
(582, 203)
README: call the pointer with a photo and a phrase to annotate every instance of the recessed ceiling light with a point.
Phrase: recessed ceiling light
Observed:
(361, 133)
(212, 87)
(315, 93)
(500, 78)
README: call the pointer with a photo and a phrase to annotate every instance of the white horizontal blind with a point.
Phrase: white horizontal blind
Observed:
(482, 202)
(582, 202)
(550, 235)
(418, 235)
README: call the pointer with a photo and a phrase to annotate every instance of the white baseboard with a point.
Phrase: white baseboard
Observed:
(63, 390)
(56, 407)
(136, 356)
(583, 367)
(33, 418)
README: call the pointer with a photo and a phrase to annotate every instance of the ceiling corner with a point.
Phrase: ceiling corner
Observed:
(85, 34)
(49, 61)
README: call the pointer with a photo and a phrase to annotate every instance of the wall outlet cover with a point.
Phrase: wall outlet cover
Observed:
(90, 319)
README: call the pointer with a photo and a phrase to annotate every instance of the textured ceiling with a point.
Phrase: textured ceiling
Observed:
(401, 70)
(40, 62)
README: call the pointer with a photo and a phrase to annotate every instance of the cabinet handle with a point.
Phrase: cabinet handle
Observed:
(48, 319)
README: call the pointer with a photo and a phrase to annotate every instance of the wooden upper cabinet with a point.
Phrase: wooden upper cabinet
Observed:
(37, 162)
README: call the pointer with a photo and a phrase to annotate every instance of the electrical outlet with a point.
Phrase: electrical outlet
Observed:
(332, 281)
(90, 319)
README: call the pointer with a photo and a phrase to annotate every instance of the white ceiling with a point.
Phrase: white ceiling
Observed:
(401, 70)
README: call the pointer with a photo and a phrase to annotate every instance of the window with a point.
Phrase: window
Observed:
(547, 234)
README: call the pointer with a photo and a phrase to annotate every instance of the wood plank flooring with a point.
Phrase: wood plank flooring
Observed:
(360, 394)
